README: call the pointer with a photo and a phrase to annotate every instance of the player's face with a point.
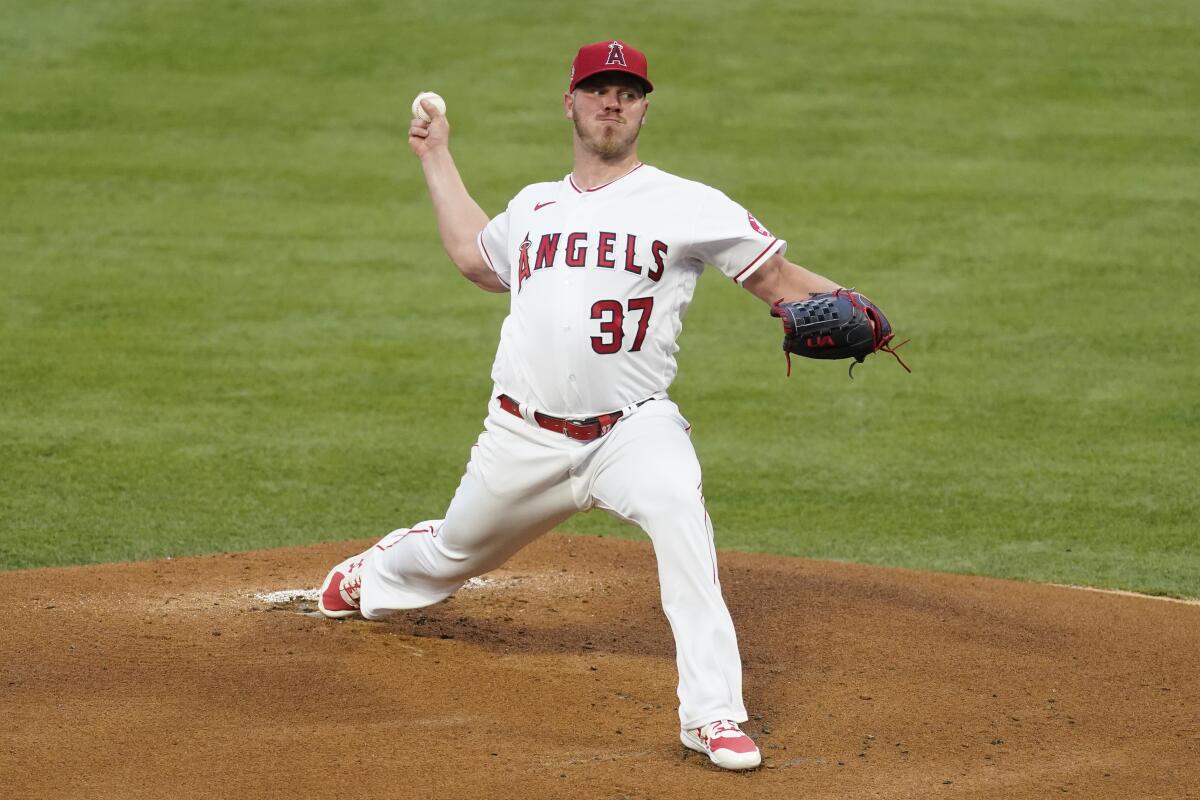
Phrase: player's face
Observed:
(608, 111)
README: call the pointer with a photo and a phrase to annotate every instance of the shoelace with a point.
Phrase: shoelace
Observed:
(713, 729)
(352, 587)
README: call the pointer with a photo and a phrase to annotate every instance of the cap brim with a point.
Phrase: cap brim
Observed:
(643, 80)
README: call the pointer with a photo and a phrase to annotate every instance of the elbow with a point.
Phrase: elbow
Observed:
(478, 272)
(470, 260)
(488, 282)
(767, 282)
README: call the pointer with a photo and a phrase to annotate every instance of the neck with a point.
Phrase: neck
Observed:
(591, 171)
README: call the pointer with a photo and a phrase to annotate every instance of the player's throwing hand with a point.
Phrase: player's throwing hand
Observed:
(426, 136)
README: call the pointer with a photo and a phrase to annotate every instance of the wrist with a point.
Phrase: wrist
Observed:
(434, 153)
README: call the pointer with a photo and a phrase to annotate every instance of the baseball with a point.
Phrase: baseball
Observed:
(432, 97)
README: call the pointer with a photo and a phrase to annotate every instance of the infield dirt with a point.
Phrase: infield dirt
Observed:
(555, 677)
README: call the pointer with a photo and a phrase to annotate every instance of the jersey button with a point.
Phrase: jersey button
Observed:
(571, 378)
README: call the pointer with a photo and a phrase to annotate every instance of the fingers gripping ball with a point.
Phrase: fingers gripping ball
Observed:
(841, 324)
(434, 99)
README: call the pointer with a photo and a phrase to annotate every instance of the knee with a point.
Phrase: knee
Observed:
(461, 571)
(671, 503)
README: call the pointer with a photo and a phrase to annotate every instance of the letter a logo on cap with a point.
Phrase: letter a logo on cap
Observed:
(608, 56)
(616, 54)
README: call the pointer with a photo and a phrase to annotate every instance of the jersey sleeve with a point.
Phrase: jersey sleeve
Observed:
(728, 236)
(493, 246)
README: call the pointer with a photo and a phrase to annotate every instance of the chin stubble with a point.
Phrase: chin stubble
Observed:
(608, 148)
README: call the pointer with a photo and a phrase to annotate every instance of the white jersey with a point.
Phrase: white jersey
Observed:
(600, 280)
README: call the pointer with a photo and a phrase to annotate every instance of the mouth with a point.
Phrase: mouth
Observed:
(617, 120)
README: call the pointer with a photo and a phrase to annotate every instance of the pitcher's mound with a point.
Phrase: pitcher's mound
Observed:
(214, 677)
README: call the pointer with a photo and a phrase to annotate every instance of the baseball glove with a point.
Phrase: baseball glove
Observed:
(840, 324)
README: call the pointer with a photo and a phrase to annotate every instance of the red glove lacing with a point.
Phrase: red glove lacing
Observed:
(879, 341)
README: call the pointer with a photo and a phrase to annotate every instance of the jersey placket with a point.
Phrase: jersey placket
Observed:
(574, 300)
(568, 307)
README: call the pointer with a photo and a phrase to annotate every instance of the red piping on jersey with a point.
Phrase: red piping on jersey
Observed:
(571, 180)
(756, 258)
(488, 256)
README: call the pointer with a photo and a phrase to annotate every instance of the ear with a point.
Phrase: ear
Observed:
(569, 105)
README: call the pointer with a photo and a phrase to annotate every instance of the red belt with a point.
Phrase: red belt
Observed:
(582, 430)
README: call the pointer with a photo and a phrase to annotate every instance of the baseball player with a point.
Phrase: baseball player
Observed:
(599, 268)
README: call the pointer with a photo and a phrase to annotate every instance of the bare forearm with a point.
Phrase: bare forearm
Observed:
(459, 217)
(780, 279)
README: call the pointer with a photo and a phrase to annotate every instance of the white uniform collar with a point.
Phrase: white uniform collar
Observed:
(575, 186)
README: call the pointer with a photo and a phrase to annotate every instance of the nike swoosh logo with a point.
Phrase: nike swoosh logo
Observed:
(540, 206)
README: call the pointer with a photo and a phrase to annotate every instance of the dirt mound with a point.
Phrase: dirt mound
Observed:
(555, 677)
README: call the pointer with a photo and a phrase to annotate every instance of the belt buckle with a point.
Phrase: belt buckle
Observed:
(587, 429)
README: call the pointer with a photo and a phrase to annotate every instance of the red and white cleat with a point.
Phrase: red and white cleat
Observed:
(342, 588)
(724, 744)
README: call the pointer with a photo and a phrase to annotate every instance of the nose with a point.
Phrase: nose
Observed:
(612, 100)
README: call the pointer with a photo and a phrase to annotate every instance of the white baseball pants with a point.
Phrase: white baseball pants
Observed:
(523, 480)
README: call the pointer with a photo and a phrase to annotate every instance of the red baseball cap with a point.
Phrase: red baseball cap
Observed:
(612, 56)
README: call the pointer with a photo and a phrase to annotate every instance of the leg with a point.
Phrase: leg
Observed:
(647, 473)
(514, 490)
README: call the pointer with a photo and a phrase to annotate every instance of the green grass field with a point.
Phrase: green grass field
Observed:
(226, 321)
